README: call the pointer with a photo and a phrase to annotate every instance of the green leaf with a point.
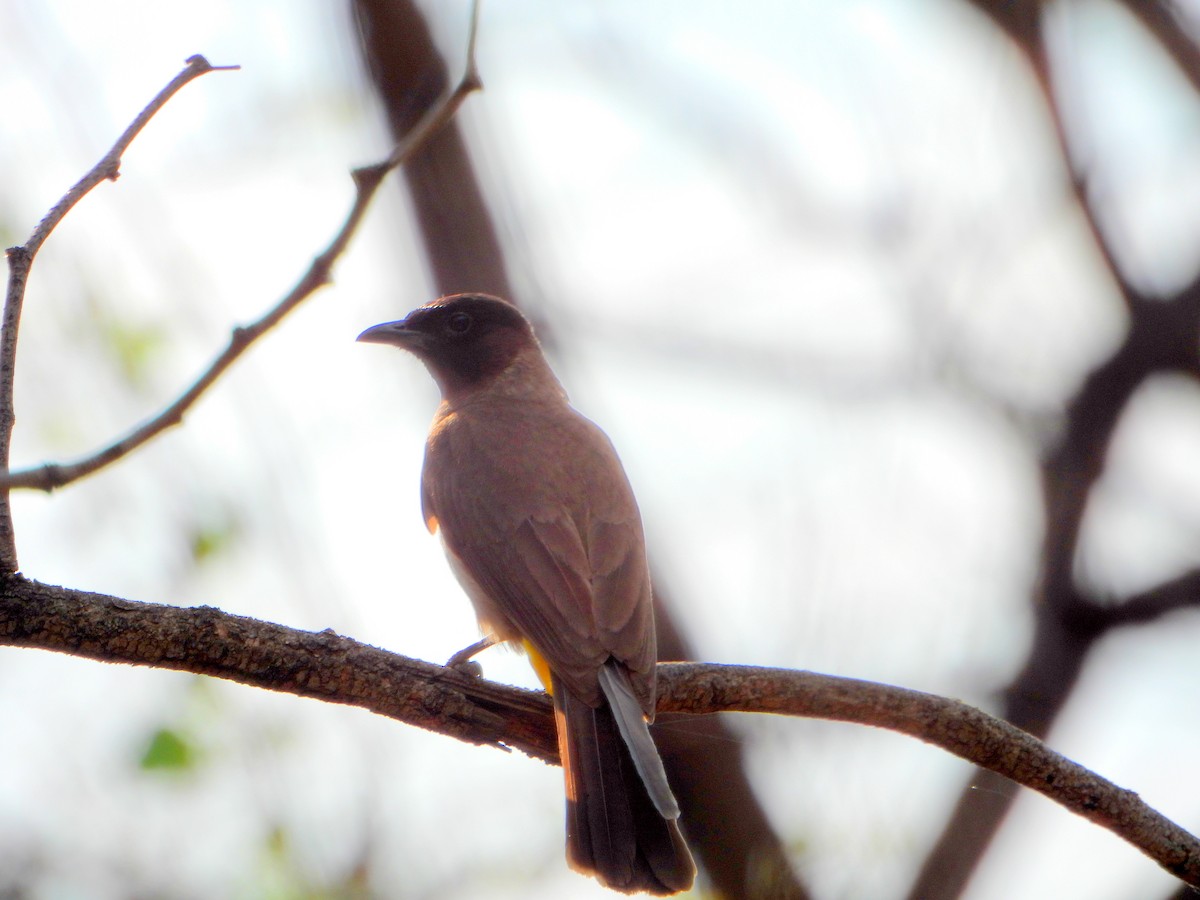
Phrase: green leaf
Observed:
(168, 750)
(134, 346)
(213, 533)
(277, 844)
(207, 542)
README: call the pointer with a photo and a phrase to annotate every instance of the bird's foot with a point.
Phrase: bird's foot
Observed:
(462, 661)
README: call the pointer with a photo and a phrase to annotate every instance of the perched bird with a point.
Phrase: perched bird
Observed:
(540, 526)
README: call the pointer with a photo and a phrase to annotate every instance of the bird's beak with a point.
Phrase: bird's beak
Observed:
(397, 334)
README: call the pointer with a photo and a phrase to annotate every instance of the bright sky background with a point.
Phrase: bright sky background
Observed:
(811, 265)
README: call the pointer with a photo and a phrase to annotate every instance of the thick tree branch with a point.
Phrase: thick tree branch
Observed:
(20, 262)
(329, 667)
(367, 180)
(323, 665)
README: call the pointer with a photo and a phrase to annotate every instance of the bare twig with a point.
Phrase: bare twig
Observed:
(459, 242)
(336, 669)
(20, 261)
(367, 180)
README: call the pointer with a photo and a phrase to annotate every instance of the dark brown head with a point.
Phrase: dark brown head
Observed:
(465, 340)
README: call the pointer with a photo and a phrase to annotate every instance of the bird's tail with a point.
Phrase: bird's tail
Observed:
(618, 828)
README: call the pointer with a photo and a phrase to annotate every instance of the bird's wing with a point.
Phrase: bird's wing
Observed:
(579, 597)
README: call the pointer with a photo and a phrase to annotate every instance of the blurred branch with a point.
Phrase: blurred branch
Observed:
(726, 825)
(336, 669)
(1162, 21)
(367, 180)
(20, 263)
(455, 228)
(1161, 337)
(730, 832)
(1021, 20)
(1149, 606)
(954, 726)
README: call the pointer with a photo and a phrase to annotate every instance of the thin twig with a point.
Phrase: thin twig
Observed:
(336, 669)
(367, 180)
(20, 261)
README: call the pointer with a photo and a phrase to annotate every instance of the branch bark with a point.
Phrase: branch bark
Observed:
(20, 263)
(322, 665)
(367, 180)
(336, 669)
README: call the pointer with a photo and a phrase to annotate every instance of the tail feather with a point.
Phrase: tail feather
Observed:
(632, 724)
(614, 828)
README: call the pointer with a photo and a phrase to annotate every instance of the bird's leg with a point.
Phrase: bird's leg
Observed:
(462, 660)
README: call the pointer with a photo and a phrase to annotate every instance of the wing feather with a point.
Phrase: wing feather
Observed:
(563, 568)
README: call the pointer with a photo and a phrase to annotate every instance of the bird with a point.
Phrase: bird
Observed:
(541, 528)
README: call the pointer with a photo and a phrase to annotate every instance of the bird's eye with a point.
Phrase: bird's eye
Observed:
(459, 322)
